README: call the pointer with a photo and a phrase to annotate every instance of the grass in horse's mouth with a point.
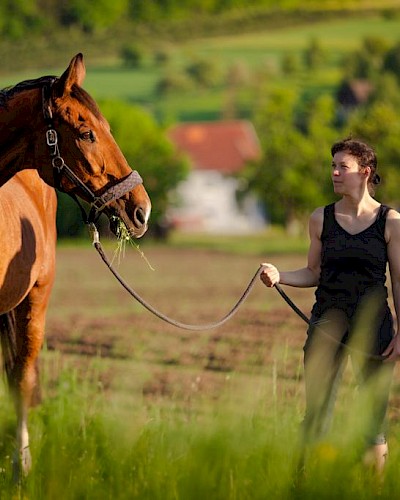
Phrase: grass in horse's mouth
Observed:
(124, 237)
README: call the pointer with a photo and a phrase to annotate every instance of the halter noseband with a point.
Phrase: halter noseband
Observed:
(60, 168)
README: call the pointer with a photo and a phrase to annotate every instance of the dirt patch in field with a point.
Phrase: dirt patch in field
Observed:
(96, 319)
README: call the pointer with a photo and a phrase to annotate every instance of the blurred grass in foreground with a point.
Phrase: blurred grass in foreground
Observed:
(84, 449)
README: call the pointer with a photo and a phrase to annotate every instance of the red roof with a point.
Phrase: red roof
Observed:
(224, 145)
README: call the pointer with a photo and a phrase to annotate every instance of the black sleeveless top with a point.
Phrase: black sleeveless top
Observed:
(352, 266)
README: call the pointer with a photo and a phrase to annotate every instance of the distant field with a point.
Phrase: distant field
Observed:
(259, 51)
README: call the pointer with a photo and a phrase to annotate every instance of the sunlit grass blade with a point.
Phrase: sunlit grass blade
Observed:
(124, 237)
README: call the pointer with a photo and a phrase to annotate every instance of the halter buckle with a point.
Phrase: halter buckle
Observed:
(51, 137)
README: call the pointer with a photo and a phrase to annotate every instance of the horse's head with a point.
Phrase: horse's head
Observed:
(80, 141)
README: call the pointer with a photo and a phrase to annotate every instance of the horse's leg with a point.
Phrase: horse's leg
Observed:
(29, 326)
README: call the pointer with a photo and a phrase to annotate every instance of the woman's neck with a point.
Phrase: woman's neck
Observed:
(357, 205)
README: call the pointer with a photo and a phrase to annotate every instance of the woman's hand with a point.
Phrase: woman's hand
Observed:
(269, 275)
(392, 352)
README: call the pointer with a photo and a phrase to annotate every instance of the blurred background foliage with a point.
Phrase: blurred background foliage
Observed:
(156, 62)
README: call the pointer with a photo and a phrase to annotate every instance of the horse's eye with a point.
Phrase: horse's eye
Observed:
(88, 136)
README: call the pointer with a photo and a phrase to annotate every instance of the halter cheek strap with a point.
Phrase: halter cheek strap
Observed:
(60, 168)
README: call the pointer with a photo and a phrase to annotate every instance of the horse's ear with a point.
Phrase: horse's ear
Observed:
(73, 75)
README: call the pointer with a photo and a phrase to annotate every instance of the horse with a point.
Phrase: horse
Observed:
(52, 136)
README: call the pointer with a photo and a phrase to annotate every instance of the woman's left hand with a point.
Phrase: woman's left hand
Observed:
(392, 352)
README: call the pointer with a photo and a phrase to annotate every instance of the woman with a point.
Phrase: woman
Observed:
(351, 242)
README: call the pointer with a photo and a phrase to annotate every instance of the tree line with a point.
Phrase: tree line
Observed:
(19, 17)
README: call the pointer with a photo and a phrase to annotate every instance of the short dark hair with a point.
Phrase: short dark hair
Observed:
(364, 153)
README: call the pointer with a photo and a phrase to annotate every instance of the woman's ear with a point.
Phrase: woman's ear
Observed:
(366, 171)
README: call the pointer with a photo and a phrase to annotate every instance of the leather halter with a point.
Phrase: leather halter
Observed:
(60, 168)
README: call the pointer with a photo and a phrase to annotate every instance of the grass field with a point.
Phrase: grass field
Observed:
(134, 408)
(260, 52)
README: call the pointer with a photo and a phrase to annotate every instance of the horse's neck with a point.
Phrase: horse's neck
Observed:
(19, 119)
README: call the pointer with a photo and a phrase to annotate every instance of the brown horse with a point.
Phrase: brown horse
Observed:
(52, 135)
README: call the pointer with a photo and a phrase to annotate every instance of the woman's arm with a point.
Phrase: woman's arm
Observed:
(393, 246)
(307, 276)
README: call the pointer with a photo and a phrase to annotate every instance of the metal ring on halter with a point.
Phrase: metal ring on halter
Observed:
(58, 163)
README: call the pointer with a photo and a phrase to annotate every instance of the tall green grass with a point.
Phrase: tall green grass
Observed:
(83, 447)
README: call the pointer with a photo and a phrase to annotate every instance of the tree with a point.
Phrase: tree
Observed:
(204, 72)
(290, 177)
(69, 217)
(293, 176)
(132, 55)
(94, 15)
(18, 16)
(379, 125)
(392, 60)
(368, 61)
(147, 149)
(314, 54)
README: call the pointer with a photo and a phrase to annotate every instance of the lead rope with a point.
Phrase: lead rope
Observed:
(208, 326)
(376, 357)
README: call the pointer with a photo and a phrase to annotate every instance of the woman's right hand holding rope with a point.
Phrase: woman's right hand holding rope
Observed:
(269, 275)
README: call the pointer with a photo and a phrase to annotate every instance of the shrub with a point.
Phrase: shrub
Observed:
(132, 56)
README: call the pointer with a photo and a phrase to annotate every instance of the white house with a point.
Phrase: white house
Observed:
(207, 200)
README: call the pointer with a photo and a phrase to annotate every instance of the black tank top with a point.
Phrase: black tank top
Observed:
(352, 265)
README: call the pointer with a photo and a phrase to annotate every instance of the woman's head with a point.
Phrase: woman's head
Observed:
(364, 155)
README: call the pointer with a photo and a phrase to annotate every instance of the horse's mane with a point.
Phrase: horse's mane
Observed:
(9, 92)
(77, 92)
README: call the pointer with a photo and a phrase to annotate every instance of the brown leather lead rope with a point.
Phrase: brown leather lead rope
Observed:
(376, 357)
(208, 326)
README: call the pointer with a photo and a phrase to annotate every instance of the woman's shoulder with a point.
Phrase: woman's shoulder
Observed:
(316, 221)
(392, 214)
(392, 230)
(318, 214)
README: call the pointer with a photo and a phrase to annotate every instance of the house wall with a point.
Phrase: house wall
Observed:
(206, 202)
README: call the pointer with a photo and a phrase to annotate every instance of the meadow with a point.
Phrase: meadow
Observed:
(135, 408)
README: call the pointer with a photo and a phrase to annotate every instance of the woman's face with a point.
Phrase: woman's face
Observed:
(347, 176)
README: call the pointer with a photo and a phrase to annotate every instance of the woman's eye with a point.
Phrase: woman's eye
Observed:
(87, 136)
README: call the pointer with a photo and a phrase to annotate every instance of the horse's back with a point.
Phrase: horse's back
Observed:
(27, 236)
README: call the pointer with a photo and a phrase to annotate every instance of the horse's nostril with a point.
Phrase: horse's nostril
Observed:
(139, 216)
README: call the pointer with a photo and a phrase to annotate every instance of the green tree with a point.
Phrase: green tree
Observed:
(147, 149)
(69, 217)
(289, 177)
(379, 124)
(392, 60)
(205, 72)
(368, 61)
(132, 55)
(19, 16)
(93, 15)
(314, 54)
